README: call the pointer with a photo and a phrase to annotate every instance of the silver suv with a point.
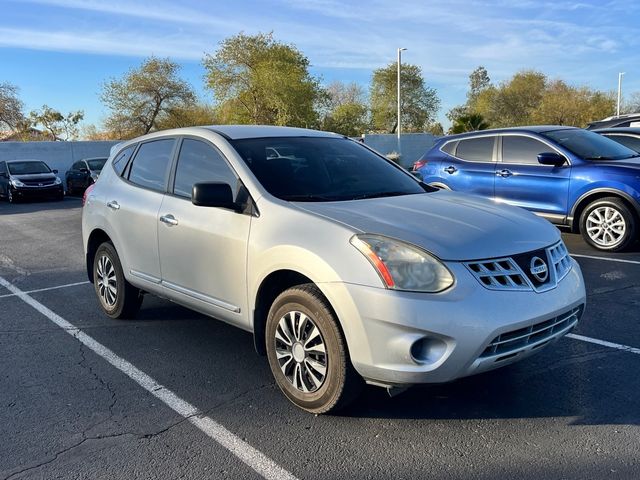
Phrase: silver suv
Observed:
(344, 266)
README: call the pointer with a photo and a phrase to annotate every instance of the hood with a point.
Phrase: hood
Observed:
(450, 225)
(627, 163)
(35, 176)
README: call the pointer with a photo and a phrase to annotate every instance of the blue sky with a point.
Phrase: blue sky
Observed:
(60, 52)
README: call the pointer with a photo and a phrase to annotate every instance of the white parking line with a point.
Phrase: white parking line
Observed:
(242, 450)
(604, 343)
(619, 260)
(46, 289)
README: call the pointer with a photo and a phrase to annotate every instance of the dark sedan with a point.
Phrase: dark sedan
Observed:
(82, 174)
(22, 179)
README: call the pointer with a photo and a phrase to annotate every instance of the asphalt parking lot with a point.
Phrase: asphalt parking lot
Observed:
(572, 411)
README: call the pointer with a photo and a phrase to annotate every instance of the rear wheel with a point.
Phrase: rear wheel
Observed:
(117, 297)
(307, 352)
(608, 224)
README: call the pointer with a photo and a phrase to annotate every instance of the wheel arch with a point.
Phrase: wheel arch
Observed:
(96, 238)
(597, 194)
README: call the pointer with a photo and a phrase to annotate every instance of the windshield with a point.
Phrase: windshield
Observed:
(589, 145)
(27, 168)
(96, 165)
(322, 169)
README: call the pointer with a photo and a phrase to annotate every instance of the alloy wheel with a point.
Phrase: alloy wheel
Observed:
(301, 351)
(107, 282)
(606, 226)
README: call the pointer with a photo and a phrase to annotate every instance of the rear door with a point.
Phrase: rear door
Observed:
(469, 166)
(521, 180)
(133, 208)
(203, 250)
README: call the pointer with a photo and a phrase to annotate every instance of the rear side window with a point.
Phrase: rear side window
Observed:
(200, 162)
(449, 147)
(520, 149)
(150, 165)
(122, 159)
(476, 149)
(631, 142)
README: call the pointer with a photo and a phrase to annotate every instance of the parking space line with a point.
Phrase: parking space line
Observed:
(619, 260)
(604, 343)
(253, 458)
(46, 289)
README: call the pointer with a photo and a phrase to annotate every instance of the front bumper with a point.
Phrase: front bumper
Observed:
(38, 192)
(400, 338)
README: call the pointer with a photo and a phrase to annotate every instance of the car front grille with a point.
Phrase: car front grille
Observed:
(516, 273)
(38, 183)
(509, 344)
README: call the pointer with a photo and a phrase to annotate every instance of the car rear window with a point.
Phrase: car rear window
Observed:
(476, 149)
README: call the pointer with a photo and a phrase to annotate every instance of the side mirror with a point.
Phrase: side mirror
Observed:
(55, 170)
(551, 158)
(213, 194)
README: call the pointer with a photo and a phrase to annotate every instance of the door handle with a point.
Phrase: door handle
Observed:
(113, 205)
(504, 173)
(451, 169)
(169, 220)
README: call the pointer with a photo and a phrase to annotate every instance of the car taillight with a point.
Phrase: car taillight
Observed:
(419, 164)
(86, 193)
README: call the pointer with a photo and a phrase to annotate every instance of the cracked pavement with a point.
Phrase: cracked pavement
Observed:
(572, 411)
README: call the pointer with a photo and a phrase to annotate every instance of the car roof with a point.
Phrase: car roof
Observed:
(631, 130)
(236, 132)
(94, 158)
(25, 160)
(526, 129)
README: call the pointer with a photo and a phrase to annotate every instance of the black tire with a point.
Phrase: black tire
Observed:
(128, 298)
(341, 384)
(10, 197)
(60, 196)
(624, 212)
(70, 191)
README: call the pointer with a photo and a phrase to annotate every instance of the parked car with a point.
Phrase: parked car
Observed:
(627, 120)
(82, 174)
(627, 136)
(570, 176)
(23, 179)
(345, 267)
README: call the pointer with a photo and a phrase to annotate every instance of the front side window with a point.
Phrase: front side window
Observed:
(200, 162)
(476, 149)
(589, 145)
(322, 169)
(521, 149)
(28, 168)
(150, 165)
(631, 142)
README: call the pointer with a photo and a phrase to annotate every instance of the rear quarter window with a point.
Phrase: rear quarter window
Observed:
(449, 147)
(120, 162)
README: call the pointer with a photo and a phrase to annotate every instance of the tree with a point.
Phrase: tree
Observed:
(469, 123)
(59, 126)
(10, 107)
(435, 128)
(419, 103)
(344, 109)
(144, 96)
(632, 104)
(258, 80)
(478, 81)
(188, 116)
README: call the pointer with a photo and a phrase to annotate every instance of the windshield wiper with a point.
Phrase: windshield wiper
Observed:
(307, 197)
(380, 195)
(599, 157)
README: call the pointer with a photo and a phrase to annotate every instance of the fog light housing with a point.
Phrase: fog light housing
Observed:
(428, 350)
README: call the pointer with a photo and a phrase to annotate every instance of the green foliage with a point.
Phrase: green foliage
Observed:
(59, 126)
(144, 97)
(469, 123)
(419, 103)
(344, 110)
(258, 80)
(435, 128)
(188, 116)
(10, 107)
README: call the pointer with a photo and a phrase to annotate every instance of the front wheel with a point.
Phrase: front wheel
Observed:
(10, 197)
(118, 298)
(307, 352)
(608, 224)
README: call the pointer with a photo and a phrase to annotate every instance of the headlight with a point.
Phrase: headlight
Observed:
(57, 181)
(402, 266)
(16, 183)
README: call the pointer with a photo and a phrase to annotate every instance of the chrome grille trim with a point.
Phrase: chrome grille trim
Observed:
(506, 275)
(510, 343)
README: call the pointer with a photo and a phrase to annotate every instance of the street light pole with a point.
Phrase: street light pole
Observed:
(398, 126)
(619, 92)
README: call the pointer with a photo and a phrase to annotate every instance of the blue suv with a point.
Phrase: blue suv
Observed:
(570, 176)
